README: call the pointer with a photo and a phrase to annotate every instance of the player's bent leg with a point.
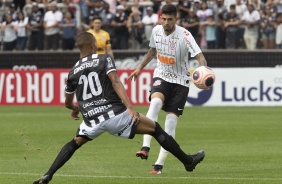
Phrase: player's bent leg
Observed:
(154, 109)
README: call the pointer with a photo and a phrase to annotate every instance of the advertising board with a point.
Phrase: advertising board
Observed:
(233, 87)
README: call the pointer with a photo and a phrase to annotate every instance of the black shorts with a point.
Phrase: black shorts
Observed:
(175, 95)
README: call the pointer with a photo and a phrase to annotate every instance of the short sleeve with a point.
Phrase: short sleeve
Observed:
(191, 44)
(71, 84)
(152, 40)
(108, 39)
(110, 64)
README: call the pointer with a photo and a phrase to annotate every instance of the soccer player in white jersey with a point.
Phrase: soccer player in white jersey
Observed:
(105, 107)
(172, 45)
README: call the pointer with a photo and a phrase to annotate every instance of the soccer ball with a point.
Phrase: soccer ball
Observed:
(203, 77)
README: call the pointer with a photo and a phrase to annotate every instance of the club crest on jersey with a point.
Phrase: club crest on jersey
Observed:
(110, 63)
(186, 33)
(157, 83)
(172, 45)
(103, 38)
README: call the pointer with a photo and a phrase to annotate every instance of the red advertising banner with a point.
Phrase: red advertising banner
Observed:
(46, 87)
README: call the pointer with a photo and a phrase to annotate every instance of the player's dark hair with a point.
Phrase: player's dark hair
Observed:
(84, 39)
(169, 9)
(96, 18)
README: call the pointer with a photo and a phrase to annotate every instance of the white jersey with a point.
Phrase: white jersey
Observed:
(173, 54)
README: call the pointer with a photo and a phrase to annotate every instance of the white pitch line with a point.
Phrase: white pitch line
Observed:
(149, 177)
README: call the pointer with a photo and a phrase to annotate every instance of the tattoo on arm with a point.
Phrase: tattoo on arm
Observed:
(201, 59)
(150, 55)
(152, 52)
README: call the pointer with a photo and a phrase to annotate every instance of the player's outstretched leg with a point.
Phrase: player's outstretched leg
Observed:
(147, 126)
(64, 155)
(168, 143)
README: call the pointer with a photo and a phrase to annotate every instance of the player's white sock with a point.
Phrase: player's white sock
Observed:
(170, 126)
(154, 109)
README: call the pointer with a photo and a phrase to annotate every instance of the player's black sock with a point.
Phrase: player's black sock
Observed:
(168, 143)
(64, 155)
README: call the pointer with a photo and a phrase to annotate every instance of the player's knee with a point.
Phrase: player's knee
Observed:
(156, 103)
(158, 133)
(80, 140)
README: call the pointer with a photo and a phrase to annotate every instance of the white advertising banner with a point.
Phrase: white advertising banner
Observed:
(233, 87)
(241, 87)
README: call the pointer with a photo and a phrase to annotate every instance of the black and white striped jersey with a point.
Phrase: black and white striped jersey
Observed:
(173, 54)
(96, 97)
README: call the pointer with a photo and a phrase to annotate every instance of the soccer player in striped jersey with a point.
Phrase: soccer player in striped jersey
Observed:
(172, 45)
(105, 106)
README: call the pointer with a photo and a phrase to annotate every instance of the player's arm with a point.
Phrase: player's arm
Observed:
(110, 51)
(108, 45)
(119, 89)
(70, 105)
(69, 95)
(201, 59)
(149, 56)
(194, 48)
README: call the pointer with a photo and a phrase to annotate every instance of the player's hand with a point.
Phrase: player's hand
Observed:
(74, 113)
(134, 74)
(135, 116)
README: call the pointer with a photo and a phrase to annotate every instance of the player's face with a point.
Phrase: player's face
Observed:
(168, 22)
(97, 24)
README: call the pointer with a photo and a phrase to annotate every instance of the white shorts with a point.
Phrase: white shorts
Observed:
(121, 125)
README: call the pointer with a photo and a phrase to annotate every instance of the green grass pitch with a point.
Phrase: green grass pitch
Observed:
(243, 146)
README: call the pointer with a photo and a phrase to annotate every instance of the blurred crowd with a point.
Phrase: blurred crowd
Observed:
(215, 24)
